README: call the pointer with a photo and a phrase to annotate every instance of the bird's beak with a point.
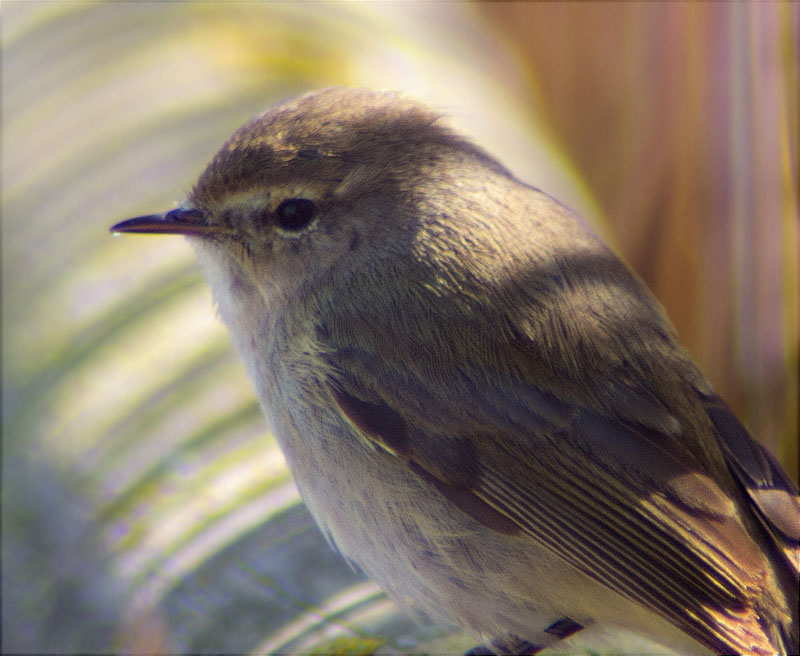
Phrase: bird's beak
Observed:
(175, 222)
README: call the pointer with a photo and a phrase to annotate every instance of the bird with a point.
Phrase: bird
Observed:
(483, 407)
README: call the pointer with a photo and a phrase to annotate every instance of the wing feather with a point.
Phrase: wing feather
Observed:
(768, 486)
(639, 533)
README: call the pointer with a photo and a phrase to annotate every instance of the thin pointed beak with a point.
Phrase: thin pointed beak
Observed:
(175, 222)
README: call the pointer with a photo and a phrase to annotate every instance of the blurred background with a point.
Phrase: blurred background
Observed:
(145, 508)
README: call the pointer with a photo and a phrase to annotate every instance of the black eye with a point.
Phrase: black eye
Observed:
(295, 213)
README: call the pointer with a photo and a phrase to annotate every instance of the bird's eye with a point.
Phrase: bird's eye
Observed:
(295, 213)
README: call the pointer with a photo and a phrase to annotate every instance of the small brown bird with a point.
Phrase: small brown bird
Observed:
(482, 406)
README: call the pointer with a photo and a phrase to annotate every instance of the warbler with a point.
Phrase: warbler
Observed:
(482, 406)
